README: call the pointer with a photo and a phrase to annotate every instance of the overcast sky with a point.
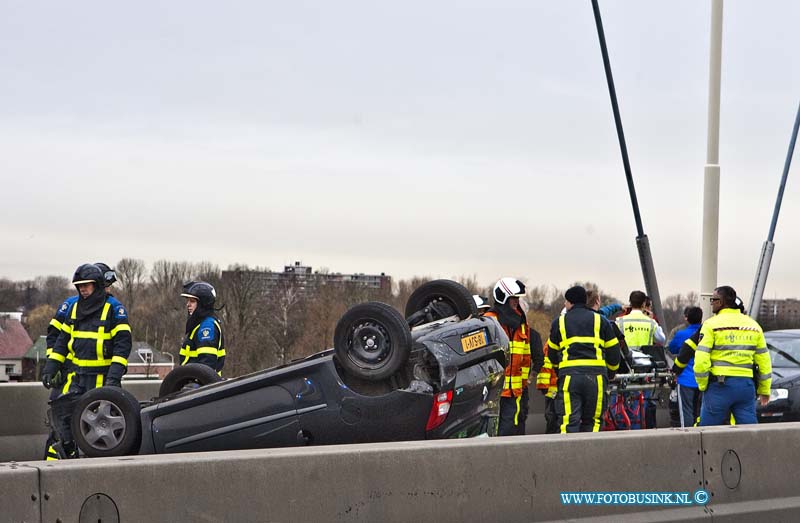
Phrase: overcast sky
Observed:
(411, 138)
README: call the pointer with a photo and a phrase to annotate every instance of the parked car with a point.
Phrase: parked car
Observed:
(784, 402)
(435, 373)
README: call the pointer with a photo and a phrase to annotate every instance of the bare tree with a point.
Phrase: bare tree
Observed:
(130, 275)
(286, 321)
(53, 289)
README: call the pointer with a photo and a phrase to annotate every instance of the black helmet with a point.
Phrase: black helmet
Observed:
(201, 291)
(88, 273)
(109, 276)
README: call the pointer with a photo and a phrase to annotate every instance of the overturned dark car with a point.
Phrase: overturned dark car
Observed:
(437, 373)
(784, 401)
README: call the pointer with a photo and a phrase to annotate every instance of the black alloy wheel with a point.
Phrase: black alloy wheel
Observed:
(372, 341)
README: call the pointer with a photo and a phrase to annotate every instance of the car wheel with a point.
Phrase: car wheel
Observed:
(439, 299)
(372, 341)
(105, 422)
(191, 373)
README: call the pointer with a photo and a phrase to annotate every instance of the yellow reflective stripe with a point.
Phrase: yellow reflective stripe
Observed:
(526, 372)
(92, 363)
(580, 339)
(220, 353)
(679, 364)
(66, 327)
(519, 350)
(205, 350)
(119, 328)
(598, 343)
(74, 311)
(104, 314)
(48, 352)
(552, 345)
(194, 331)
(101, 332)
(57, 324)
(56, 356)
(120, 360)
(562, 329)
(68, 383)
(599, 408)
(612, 367)
(583, 363)
(691, 343)
(610, 343)
(99, 381)
(516, 414)
(99, 336)
(567, 404)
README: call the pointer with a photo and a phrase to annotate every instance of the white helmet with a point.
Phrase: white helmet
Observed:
(480, 302)
(506, 288)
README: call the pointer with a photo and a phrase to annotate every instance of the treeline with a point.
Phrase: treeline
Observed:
(261, 330)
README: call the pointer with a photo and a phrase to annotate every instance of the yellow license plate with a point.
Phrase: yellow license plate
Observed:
(473, 341)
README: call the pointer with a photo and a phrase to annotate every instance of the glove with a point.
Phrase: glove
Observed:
(112, 382)
(47, 381)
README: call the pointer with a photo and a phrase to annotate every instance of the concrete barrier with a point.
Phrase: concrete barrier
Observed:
(21, 499)
(490, 479)
(23, 411)
(750, 471)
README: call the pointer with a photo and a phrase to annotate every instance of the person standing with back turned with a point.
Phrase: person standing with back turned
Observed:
(731, 355)
(583, 347)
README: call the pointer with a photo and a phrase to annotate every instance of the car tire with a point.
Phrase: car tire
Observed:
(180, 377)
(372, 341)
(105, 422)
(447, 297)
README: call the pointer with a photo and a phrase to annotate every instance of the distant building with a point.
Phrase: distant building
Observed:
(307, 281)
(14, 343)
(147, 362)
(780, 313)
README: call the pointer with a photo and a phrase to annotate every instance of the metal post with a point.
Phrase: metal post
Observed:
(642, 243)
(766, 252)
(708, 267)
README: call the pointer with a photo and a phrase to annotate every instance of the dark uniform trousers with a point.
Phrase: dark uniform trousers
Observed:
(581, 401)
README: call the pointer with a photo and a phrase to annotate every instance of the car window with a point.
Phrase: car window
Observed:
(785, 351)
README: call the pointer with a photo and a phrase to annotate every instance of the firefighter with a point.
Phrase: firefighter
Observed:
(67, 372)
(583, 349)
(514, 397)
(97, 334)
(730, 356)
(203, 342)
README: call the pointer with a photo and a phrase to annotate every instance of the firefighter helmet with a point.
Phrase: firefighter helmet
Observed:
(109, 276)
(88, 273)
(506, 288)
(482, 302)
(201, 291)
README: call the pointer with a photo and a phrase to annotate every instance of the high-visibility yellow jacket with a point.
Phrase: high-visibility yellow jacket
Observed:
(519, 367)
(638, 329)
(732, 344)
